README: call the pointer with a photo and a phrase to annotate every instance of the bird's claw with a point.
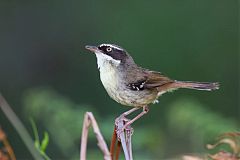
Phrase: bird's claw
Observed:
(120, 127)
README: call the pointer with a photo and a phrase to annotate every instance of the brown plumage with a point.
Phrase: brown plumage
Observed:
(131, 85)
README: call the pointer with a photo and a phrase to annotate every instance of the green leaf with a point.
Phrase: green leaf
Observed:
(41, 147)
(44, 142)
(35, 133)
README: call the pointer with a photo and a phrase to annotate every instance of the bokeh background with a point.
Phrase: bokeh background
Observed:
(46, 74)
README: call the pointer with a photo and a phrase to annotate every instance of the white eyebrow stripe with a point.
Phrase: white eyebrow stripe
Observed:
(111, 45)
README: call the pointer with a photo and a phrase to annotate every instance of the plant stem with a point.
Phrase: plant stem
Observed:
(17, 124)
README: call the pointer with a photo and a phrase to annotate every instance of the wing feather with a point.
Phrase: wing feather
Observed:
(145, 79)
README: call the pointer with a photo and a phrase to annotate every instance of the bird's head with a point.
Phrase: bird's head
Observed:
(110, 53)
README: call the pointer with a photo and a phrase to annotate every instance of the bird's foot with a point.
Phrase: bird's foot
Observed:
(122, 125)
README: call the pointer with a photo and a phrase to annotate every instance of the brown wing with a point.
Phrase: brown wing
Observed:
(156, 79)
(144, 79)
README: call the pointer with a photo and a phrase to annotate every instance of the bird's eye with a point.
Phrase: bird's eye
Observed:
(108, 49)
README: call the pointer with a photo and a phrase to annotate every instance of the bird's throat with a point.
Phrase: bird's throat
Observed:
(104, 60)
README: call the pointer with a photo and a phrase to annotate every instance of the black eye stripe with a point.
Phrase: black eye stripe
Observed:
(115, 52)
(103, 48)
(108, 48)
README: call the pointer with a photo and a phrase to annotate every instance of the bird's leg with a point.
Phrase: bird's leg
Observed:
(122, 117)
(127, 113)
(128, 122)
(145, 111)
(121, 121)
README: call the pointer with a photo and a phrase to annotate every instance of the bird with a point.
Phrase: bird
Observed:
(131, 85)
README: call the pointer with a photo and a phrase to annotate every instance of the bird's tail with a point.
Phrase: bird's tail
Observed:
(208, 86)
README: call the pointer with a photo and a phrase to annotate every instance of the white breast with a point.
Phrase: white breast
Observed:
(108, 76)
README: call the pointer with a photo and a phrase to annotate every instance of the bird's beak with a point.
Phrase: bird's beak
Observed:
(91, 48)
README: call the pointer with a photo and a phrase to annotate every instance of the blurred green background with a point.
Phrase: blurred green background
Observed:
(46, 74)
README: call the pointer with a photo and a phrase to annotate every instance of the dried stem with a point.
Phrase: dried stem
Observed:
(113, 143)
(123, 141)
(118, 150)
(113, 147)
(90, 120)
